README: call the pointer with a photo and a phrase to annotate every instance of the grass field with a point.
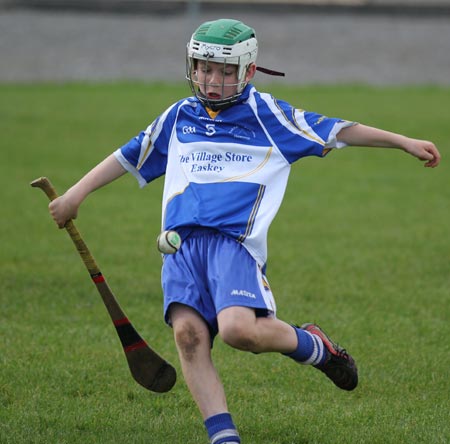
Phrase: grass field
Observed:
(361, 246)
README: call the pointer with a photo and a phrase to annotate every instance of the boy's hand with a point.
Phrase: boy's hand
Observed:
(61, 210)
(424, 150)
(66, 206)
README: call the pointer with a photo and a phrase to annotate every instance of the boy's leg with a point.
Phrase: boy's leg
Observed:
(242, 329)
(193, 342)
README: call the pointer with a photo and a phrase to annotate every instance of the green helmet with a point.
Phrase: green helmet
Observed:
(226, 41)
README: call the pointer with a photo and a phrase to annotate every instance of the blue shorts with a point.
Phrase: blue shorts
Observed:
(211, 272)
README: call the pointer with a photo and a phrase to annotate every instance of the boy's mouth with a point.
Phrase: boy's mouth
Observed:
(213, 96)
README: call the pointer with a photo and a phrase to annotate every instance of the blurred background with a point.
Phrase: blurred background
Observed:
(377, 42)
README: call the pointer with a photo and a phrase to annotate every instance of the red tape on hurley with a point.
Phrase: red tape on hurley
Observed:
(128, 335)
(98, 278)
(122, 321)
(135, 346)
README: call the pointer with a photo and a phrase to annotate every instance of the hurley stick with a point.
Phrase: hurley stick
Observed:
(148, 368)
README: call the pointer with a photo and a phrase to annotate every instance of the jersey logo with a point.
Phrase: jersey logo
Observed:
(188, 129)
(241, 132)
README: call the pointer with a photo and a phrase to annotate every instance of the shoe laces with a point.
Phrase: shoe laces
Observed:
(340, 352)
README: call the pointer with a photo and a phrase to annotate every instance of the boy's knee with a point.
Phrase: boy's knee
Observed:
(242, 337)
(188, 337)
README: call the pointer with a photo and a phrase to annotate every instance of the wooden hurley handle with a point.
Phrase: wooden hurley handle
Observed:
(46, 186)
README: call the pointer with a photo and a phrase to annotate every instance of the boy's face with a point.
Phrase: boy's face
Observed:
(216, 80)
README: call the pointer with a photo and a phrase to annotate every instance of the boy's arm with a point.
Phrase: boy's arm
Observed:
(362, 135)
(66, 206)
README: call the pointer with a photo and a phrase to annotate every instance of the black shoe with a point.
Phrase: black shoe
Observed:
(339, 366)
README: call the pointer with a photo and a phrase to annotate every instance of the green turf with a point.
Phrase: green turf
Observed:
(361, 246)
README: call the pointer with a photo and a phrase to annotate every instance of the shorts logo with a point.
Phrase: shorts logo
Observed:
(245, 293)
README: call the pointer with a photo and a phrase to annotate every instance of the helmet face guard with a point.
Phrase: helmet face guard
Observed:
(225, 41)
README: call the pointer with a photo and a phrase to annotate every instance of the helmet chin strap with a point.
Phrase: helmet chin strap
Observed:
(270, 72)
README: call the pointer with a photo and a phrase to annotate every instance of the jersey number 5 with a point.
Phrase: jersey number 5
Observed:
(211, 130)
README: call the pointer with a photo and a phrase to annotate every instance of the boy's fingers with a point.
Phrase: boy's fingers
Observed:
(433, 162)
(428, 152)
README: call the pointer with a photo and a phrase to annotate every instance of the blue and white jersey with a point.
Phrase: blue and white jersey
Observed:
(228, 170)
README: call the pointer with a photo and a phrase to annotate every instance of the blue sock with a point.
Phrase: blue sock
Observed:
(310, 348)
(221, 429)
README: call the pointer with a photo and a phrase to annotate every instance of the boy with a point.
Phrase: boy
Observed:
(226, 153)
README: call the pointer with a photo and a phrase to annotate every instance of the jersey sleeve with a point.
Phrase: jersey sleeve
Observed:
(298, 133)
(327, 127)
(145, 156)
